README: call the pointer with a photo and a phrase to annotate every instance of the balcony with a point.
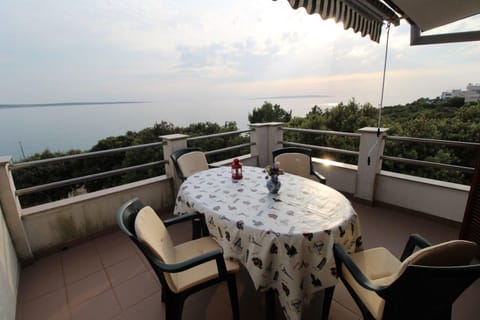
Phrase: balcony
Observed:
(77, 265)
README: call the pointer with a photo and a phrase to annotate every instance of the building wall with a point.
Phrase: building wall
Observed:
(9, 273)
(54, 225)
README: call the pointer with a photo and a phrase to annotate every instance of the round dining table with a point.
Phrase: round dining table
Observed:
(285, 240)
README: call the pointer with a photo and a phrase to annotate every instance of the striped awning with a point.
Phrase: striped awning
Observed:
(364, 16)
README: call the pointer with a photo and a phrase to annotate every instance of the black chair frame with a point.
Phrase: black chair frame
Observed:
(174, 302)
(412, 296)
(305, 151)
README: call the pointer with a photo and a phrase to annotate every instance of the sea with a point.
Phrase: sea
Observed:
(26, 129)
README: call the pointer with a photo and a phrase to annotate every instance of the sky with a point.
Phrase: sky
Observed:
(192, 53)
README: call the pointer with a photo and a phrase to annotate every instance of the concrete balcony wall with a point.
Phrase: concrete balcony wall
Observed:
(9, 273)
(436, 198)
(54, 225)
(340, 176)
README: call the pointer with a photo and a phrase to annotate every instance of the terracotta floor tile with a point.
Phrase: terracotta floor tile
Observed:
(136, 289)
(125, 270)
(89, 269)
(110, 240)
(78, 264)
(79, 252)
(102, 307)
(343, 297)
(87, 288)
(42, 277)
(150, 308)
(116, 253)
(338, 312)
(49, 306)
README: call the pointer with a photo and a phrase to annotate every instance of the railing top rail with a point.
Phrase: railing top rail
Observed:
(83, 179)
(29, 164)
(239, 146)
(313, 147)
(337, 133)
(430, 164)
(435, 141)
(216, 135)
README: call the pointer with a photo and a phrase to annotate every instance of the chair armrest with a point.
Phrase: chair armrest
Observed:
(320, 178)
(181, 218)
(199, 229)
(341, 256)
(212, 166)
(415, 240)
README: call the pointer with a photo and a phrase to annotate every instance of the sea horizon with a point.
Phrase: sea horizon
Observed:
(26, 129)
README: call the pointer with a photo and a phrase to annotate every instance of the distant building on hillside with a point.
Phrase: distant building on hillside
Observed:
(471, 94)
(451, 94)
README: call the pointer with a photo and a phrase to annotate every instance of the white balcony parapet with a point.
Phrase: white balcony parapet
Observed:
(37, 229)
(13, 211)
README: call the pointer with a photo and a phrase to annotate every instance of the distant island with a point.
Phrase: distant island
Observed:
(64, 104)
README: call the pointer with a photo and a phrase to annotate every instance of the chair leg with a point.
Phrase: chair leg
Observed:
(327, 302)
(164, 294)
(196, 228)
(174, 307)
(232, 290)
(270, 304)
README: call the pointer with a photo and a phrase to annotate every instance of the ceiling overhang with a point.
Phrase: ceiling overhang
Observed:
(424, 15)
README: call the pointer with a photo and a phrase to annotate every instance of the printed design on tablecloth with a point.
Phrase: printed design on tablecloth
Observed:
(315, 281)
(273, 249)
(257, 262)
(238, 244)
(285, 289)
(358, 243)
(342, 231)
(291, 250)
(322, 263)
(308, 236)
(240, 224)
(318, 246)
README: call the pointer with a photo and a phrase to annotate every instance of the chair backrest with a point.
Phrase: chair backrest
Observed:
(152, 233)
(127, 221)
(189, 161)
(471, 221)
(294, 160)
(430, 280)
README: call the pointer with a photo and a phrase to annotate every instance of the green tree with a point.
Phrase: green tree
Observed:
(269, 113)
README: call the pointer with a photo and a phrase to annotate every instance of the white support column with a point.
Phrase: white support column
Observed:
(369, 161)
(266, 138)
(173, 142)
(13, 212)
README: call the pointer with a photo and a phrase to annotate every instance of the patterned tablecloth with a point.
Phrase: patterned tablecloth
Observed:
(284, 240)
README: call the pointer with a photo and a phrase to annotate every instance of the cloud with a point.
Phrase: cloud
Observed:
(152, 49)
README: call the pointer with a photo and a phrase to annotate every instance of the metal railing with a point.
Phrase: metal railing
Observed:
(115, 172)
(321, 148)
(36, 163)
(416, 162)
(86, 178)
(223, 134)
(462, 144)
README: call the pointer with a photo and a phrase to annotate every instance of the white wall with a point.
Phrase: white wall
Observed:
(437, 198)
(55, 224)
(340, 176)
(9, 273)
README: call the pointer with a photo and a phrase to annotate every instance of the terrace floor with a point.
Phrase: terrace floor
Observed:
(107, 278)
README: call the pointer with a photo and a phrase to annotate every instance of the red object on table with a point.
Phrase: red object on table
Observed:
(237, 169)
